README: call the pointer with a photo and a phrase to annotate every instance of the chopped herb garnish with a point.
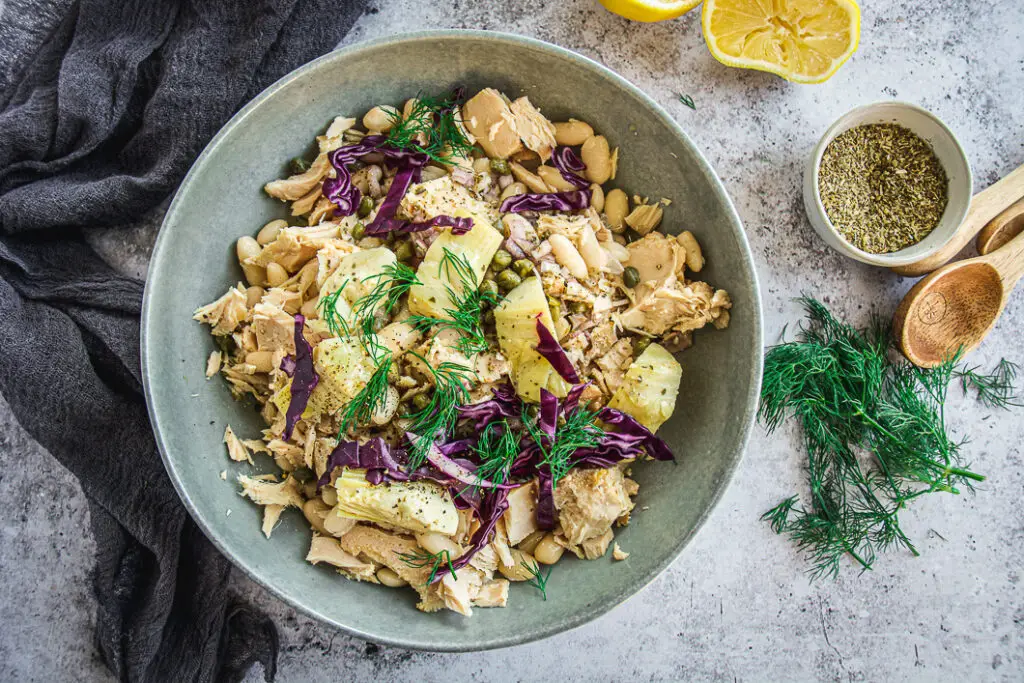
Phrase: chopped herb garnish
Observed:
(497, 449)
(433, 127)
(579, 431)
(421, 558)
(875, 433)
(540, 578)
(688, 101)
(468, 300)
(438, 418)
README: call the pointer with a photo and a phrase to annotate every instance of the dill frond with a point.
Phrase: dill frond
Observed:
(497, 448)
(540, 578)
(419, 559)
(579, 431)
(438, 418)
(996, 389)
(468, 305)
(875, 433)
(433, 127)
(360, 409)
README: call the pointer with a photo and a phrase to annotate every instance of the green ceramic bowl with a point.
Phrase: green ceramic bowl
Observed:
(221, 199)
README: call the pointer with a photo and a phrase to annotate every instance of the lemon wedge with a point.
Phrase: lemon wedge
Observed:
(649, 10)
(804, 41)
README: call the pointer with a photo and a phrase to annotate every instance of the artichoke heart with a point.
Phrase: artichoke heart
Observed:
(650, 387)
(417, 506)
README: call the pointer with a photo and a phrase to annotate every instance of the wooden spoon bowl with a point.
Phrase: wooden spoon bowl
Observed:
(958, 305)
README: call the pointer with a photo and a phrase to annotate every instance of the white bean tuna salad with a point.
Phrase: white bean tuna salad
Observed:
(461, 343)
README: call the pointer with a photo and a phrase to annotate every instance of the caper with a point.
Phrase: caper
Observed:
(523, 267)
(577, 307)
(489, 287)
(501, 260)
(365, 207)
(499, 166)
(358, 230)
(631, 277)
(298, 166)
(532, 410)
(404, 251)
(640, 345)
(420, 401)
(507, 280)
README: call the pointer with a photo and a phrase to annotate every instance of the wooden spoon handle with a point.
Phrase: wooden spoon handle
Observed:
(1008, 260)
(1001, 229)
(984, 207)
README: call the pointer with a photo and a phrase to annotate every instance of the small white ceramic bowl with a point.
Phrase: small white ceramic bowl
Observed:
(947, 148)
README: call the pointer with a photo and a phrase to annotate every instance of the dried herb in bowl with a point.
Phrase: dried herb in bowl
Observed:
(882, 187)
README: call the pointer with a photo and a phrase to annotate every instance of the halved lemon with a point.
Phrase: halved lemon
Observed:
(804, 41)
(649, 10)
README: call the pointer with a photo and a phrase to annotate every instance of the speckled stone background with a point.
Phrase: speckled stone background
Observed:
(737, 605)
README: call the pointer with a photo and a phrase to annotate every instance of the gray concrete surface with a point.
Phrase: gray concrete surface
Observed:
(737, 605)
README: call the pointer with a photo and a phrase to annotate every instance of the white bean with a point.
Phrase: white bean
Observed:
(432, 173)
(435, 543)
(694, 255)
(380, 119)
(616, 206)
(329, 494)
(597, 197)
(566, 255)
(590, 250)
(314, 511)
(554, 179)
(389, 578)
(374, 175)
(253, 295)
(572, 132)
(548, 551)
(269, 232)
(596, 154)
(276, 274)
(517, 571)
(247, 248)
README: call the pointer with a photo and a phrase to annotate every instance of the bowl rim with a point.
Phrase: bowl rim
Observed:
(753, 381)
(892, 259)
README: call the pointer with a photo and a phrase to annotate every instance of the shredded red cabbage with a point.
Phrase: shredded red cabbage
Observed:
(304, 378)
(545, 510)
(555, 354)
(566, 161)
(464, 471)
(459, 226)
(492, 506)
(504, 404)
(375, 456)
(627, 426)
(552, 201)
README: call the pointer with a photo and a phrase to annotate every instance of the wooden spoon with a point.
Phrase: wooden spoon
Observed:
(984, 207)
(958, 304)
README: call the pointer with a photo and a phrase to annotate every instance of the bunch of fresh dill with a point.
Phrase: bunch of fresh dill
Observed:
(875, 432)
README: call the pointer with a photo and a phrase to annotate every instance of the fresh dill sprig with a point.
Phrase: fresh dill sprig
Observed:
(421, 558)
(497, 448)
(438, 418)
(688, 101)
(328, 306)
(433, 127)
(875, 433)
(579, 431)
(540, 578)
(372, 396)
(995, 390)
(468, 305)
(395, 280)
